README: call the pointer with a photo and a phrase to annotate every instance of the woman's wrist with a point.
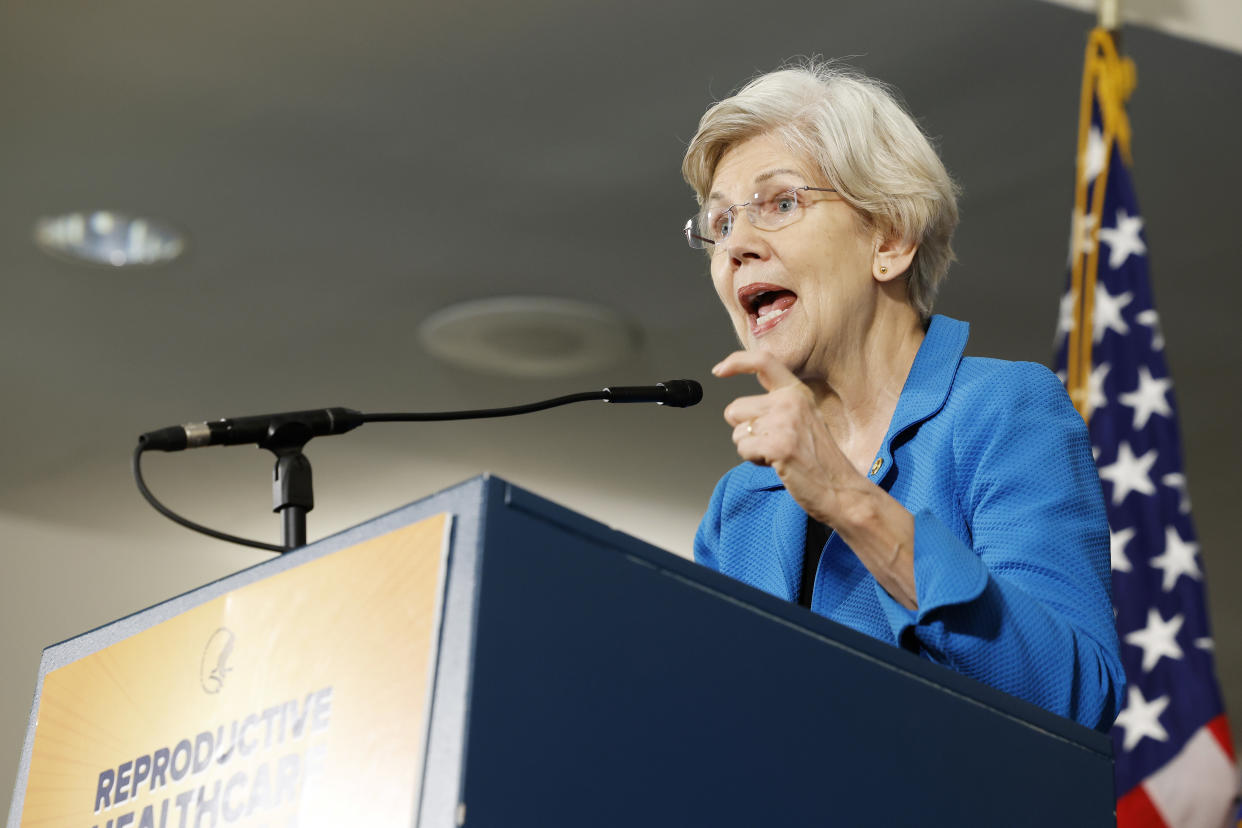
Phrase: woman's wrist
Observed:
(880, 531)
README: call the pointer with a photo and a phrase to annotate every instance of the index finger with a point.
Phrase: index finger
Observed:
(766, 368)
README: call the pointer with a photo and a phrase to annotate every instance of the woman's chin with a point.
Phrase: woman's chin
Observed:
(786, 354)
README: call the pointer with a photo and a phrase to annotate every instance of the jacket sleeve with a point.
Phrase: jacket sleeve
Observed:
(735, 503)
(1025, 603)
(707, 538)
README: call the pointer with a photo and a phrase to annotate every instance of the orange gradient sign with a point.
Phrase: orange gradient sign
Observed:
(296, 700)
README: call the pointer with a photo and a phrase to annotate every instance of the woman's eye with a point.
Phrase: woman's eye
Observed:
(722, 224)
(786, 204)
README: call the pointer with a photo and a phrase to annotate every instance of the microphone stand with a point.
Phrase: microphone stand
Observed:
(292, 487)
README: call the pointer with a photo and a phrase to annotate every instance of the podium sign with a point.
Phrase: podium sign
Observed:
(286, 701)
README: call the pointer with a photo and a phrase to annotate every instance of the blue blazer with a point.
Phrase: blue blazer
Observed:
(1011, 548)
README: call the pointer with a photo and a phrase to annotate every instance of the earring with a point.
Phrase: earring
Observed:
(883, 270)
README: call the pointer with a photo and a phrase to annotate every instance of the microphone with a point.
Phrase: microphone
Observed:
(256, 429)
(676, 393)
(263, 429)
(285, 434)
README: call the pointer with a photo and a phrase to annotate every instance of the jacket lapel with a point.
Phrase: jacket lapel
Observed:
(927, 387)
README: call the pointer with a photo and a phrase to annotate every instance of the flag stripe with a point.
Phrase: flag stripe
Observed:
(1220, 729)
(1186, 791)
(1135, 810)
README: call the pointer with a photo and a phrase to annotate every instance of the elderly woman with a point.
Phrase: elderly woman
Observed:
(948, 505)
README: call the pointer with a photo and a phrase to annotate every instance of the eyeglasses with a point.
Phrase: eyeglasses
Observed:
(766, 212)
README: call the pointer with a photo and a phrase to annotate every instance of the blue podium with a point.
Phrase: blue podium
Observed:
(579, 677)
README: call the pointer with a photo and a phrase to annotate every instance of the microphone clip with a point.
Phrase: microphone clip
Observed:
(293, 492)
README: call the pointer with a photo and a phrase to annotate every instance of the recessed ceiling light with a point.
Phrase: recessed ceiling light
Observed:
(109, 238)
(528, 336)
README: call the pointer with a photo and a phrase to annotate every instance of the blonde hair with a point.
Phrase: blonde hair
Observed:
(863, 141)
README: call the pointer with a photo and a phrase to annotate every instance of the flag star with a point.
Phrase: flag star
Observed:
(1123, 240)
(1177, 480)
(1082, 236)
(1129, 473)
(1117, 543)
(1158, 639)
(1108, 312)
(1178, 559)
(1151, 319)
(1205, 643)
(1091, 162)
(1095, 387)
(1065, 318)
(1150, 397)
(1141, 719)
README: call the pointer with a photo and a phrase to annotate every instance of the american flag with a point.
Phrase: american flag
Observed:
(1174, 758)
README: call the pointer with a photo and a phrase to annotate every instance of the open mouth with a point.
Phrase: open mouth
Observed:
(765, 304)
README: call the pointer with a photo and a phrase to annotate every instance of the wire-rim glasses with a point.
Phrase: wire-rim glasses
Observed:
(710, 227)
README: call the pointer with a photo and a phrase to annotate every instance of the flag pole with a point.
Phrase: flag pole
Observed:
(1109, 12)
(1108, 18)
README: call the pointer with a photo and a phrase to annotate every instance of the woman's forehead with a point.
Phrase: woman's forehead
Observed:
(747, 167)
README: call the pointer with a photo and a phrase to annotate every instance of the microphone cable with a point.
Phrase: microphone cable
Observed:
(136, 465)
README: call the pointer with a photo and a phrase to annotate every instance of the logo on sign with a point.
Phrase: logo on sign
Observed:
(215, 668)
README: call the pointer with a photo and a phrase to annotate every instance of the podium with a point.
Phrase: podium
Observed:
(484, 657)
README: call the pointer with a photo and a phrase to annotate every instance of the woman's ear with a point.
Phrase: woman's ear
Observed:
(893, 257)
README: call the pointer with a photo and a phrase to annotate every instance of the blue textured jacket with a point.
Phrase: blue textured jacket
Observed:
(1011, 548)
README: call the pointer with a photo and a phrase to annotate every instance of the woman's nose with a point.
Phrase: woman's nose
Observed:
(745, 242)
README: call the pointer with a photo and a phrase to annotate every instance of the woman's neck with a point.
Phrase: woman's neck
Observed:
(859, 395)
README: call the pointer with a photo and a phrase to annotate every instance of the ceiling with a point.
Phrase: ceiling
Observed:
(1215, 22)
(344, 171)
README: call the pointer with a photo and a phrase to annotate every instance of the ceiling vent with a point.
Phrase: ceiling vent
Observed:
(528, 336)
